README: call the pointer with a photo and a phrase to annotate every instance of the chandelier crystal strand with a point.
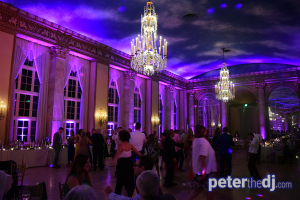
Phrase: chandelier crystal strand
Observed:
(146, 58)
(225, 89)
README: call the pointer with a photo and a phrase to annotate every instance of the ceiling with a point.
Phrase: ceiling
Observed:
(259, 31)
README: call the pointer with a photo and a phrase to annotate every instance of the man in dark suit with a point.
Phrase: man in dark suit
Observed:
(57, 141)
(169, 156)
(98, 140)
(224, 143)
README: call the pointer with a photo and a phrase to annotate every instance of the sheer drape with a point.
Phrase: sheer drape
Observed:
(22, 51)
(41, 56)
(82, 67)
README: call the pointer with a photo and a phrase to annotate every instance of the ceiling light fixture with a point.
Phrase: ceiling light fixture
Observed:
(145, 57)
(225, 90)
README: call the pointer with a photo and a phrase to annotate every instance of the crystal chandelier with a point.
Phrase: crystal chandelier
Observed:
(146, 58)
(225, 90)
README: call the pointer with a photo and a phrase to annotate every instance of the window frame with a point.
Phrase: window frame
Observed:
(112, 124)
(77, 100)
(28, 65)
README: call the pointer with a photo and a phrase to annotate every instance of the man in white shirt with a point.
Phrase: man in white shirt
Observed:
(253, 148)
(137, 139)
(204, 162)
(260, 139)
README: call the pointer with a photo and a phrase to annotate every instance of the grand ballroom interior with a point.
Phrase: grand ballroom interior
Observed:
(98, 65)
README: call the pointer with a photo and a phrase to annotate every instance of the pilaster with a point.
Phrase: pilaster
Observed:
(56, 89)
(128, 106)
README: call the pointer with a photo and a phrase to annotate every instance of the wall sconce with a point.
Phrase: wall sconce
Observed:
(102, 118)
(155, 121)
(2, 111)
(220, 125)
(213, 124)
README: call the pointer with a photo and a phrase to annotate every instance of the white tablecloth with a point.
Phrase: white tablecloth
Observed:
(266, 153)
(34, 158)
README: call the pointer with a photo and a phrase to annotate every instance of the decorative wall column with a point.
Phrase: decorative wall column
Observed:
(191, 109)
(56, 89)
(128, 106)
(169, 104)
(224, 107)
(262, 108)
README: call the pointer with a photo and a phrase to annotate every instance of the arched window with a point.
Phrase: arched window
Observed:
(113, 107)
(26, 103)
(72, 93)
(209, 112)
(175, 115)
(161, 108)
(137, 106)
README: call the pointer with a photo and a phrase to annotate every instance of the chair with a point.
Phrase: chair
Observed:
(18, 172)
(35, 191)
(61, 190)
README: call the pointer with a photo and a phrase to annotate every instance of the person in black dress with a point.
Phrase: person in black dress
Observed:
(71, 148)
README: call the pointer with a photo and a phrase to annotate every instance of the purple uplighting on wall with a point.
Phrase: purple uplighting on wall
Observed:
(210, 11)
(223, 5)
(122, 9)
(238, 6)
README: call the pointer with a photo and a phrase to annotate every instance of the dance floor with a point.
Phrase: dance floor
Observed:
(284, 172)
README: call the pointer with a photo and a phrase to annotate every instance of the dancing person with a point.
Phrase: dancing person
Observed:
(98, 141)
(79, 173)
(83, 192)
(145, 132)
(188, 146)
(112, 151)
(142, 164)
(57, 141)
(115, 136)
(260, 139)
(124, 170)
(204, 162)
(83, 144)
(169, 157)
(88, 135)
(148, 186)
(214, 140)
(77, 139)
(237, 135)
(152, 147)
(253, 148)
(71, 148)
(161, 153)
(224, 143)
(179, 152)
(137, 139)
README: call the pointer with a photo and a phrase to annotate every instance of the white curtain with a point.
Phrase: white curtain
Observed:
(22, 51)
(41, 55)
(82, 67)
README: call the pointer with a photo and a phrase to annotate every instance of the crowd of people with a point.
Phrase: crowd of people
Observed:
(136, 158)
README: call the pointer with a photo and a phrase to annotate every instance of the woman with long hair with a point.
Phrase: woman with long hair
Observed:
(83, 144)
(125, 172)
(188, 146)
(71, 148)
(79, 173)
(77, 138)
(152, 147)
